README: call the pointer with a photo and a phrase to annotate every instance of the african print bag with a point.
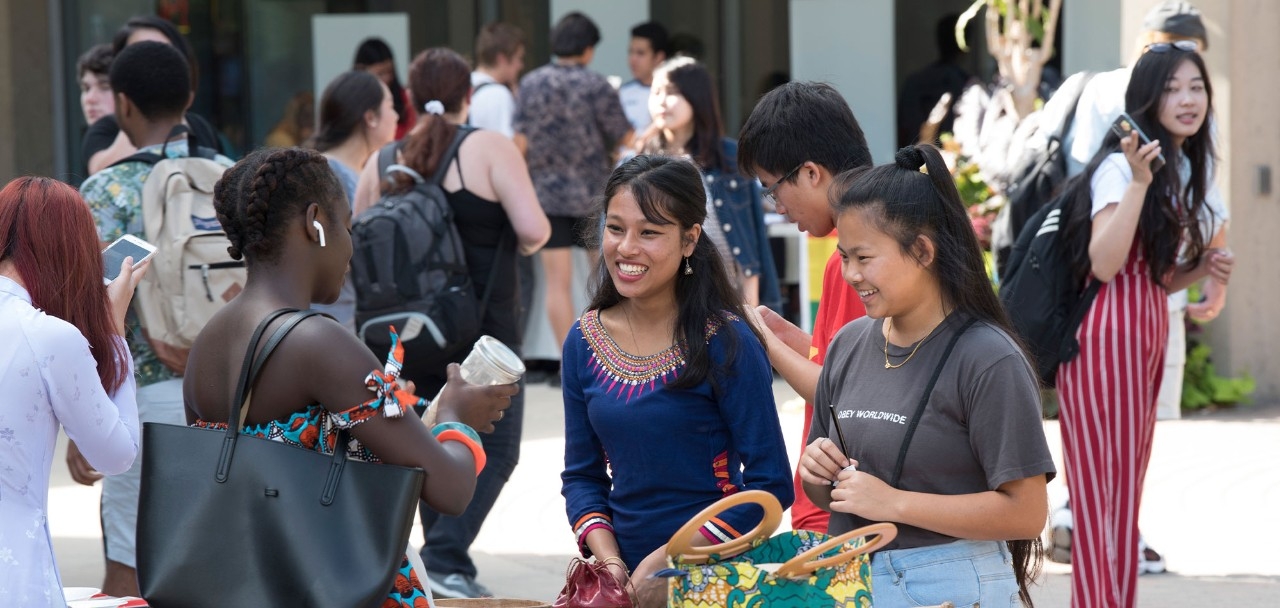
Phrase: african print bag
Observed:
(816, 570)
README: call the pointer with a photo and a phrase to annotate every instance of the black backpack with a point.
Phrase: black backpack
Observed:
(1038, 176)
(410, 271)
(1044, 302)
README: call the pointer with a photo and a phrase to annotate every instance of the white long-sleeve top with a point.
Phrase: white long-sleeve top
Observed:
(48, 378)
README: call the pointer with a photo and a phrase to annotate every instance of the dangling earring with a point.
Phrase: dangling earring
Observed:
(688, 270)
(319, 229)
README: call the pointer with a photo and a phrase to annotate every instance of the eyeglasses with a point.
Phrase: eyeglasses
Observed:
(1191, 46)
(769, 192)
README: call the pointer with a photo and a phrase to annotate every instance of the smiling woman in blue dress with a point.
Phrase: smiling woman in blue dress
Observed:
(668, 395)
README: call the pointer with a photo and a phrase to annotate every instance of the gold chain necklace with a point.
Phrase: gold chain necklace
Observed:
(889, 328)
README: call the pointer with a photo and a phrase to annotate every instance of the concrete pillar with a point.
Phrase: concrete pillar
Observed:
(1091, 36)
(1243, 60)
(26, 94)
(850, 46)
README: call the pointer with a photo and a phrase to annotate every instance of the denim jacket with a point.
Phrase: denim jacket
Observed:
(738, 207)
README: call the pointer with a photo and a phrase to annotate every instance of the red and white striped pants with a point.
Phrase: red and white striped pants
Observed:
(1108, 413)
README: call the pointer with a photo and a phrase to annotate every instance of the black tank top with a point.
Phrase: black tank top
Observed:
(483, 225)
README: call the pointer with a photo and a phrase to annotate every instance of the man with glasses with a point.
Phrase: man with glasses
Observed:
(1170, 24)
(798, 139)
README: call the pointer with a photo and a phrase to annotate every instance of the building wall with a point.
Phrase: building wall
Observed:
(1244, 63)
(26, 94)
(1244, 59)
(850, 45)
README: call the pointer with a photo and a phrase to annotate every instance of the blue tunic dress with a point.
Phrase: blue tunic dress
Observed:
(643, 459)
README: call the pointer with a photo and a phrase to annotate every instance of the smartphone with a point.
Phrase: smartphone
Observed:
(1124, 125)
(125, 247)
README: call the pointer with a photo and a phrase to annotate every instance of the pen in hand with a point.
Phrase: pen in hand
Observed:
(835, 423)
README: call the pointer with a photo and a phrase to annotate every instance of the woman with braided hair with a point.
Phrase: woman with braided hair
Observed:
(498, 218)
(287, 216)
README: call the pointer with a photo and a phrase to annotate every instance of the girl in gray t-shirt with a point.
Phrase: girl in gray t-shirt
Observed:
(935, 401)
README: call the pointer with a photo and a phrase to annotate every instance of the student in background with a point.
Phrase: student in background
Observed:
(799, 137)
(357, 117)
(646, 51)
(151, 81)
(93, 71)
(686, 122)
(569, 123)
(499, 60)
(498, 220)
(374, 55)
(105, 142)
(1143, 234)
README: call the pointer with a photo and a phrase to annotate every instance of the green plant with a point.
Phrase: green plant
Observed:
(1202, 386)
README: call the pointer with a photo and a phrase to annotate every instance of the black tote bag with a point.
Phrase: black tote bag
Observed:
(226, 519)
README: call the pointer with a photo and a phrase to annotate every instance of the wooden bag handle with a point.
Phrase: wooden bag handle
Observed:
(680, 545)
(801, 566)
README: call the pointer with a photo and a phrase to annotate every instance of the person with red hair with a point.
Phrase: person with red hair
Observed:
(63, 361)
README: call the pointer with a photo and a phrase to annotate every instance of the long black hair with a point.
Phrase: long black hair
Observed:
(376, 50)
(906, 204)
(694, 83)
(669, 191)
(343, 106)
(1171, 210)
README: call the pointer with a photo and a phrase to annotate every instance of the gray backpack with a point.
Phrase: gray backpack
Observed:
(410, 270)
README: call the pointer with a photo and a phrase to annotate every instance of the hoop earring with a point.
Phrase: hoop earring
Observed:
(319, 229)
(688, 270)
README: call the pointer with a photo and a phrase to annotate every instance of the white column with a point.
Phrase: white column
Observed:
(1092, 36)
(850, 46)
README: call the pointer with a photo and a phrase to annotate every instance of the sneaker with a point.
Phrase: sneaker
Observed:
(455, 586)
(1058, 546)
(1149, 562)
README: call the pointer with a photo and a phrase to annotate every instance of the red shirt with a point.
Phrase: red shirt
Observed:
(838, 306)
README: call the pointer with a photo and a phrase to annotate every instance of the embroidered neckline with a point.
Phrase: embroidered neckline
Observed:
(627, 375)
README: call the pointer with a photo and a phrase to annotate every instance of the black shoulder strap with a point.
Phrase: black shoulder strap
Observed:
(442, 167)
(387, 156)
(251, 365)
(149, 158)
(493, 274)
(924, 401)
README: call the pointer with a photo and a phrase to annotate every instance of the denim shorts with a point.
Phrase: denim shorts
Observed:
(965, 573)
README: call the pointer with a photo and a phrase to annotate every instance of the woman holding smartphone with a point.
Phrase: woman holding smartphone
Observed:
(1143, 233)
(63, 362)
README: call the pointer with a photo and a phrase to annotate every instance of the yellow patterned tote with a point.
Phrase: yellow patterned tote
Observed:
(800, 569)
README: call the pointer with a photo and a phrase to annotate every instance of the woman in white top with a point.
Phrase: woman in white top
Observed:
(63, 361)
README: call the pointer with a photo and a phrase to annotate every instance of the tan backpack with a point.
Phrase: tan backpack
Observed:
(192, 276)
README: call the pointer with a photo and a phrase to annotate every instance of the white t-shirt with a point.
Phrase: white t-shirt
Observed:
(635, 104)
(1112, 178)
(492, 104)
(1101, 101)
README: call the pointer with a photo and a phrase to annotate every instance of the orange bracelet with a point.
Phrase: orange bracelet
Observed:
(477, 452)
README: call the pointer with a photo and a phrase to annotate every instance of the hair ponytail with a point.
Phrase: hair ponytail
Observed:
(436, 75)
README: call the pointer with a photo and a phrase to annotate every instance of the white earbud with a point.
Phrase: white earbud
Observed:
(319, 229)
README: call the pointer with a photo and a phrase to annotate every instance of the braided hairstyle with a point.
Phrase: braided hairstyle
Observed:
(257, 197)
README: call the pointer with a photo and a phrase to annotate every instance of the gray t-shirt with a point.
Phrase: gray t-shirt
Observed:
(981, 428)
